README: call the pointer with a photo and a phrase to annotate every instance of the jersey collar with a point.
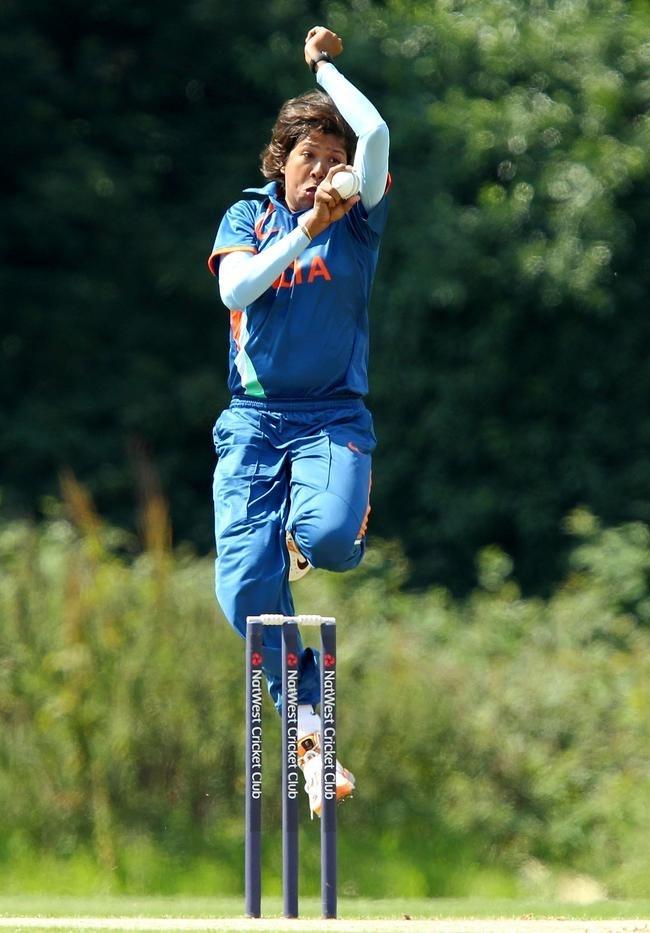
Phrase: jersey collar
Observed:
(270, 192)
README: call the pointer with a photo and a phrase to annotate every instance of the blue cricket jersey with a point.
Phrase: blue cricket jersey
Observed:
(305, 337)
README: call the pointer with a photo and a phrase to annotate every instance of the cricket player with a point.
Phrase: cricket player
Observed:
(295, 263)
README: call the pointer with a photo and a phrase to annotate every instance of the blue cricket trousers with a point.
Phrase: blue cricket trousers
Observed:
(302, 466)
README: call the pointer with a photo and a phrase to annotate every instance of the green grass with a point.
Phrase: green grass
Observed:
(417, 908)
(402, 914)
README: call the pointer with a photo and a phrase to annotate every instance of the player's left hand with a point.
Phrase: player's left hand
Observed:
(320, 39)
(329, 206)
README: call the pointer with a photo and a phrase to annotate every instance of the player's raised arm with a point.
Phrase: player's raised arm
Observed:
(371, 159)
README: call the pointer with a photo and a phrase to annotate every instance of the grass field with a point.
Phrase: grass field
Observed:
(462, 915)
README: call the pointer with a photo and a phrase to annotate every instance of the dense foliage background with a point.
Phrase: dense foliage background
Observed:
(501, 744)
(509, 376)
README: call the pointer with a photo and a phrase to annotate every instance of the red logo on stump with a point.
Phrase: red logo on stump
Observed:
(329, 660)
(256, 659)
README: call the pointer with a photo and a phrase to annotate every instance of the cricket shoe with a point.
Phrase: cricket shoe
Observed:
(310, 760)
(298, 563)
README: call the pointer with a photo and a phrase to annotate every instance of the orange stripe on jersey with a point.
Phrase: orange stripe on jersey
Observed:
(389, 183)
(259, 226)
(213, 265)
(235, 327)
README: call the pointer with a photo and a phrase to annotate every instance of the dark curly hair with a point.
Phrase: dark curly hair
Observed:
(298, 117)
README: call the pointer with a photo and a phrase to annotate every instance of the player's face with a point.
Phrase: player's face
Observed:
(307, 165)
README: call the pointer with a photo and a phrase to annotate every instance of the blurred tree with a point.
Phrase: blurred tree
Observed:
(508, 372)
(510, 328)
(129, 129)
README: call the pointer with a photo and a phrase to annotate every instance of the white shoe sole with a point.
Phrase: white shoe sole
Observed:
(298, 563)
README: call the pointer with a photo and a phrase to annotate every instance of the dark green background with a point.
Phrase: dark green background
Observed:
(510, 328)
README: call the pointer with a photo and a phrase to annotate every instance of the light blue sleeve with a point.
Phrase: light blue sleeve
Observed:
(244, 277)
(244, 273)
(371, 159)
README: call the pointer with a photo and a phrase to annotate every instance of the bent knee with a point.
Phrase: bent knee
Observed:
(331, 549)
(329, 545)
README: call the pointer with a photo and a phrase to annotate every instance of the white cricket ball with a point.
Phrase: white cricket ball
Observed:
(346, 183)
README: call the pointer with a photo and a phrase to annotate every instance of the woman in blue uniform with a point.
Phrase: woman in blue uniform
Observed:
(295, 264)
